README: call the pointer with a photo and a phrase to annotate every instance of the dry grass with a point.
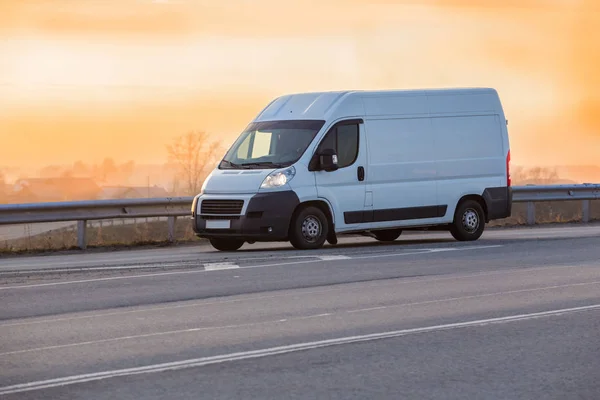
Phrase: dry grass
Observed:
(109, 235)
(550, 213)
(115, 235)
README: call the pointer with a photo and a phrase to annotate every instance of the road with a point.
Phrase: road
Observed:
(513, 315)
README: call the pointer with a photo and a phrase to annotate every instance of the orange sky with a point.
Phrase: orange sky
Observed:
(85, 79)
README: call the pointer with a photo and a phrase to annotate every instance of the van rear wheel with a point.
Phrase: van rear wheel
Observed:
(223, 244)
(309, 229)
(388, 235)
(469, 221)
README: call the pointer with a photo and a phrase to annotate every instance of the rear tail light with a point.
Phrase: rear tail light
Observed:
(508, 180)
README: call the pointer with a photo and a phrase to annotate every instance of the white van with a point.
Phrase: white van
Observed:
(312, 166)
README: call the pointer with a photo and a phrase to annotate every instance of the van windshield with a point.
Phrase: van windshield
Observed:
(271, 144)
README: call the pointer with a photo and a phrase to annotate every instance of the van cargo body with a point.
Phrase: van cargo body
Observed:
(312, 166)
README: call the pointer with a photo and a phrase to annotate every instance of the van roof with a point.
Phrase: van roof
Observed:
(423, 91)
(328, 105)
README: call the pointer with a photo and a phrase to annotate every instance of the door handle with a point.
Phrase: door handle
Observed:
(361, 174)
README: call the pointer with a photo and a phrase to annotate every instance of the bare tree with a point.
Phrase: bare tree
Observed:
(191, 154)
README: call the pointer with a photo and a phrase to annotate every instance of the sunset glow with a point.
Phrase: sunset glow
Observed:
(88, 79)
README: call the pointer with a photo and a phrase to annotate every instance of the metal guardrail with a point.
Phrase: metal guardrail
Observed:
(83, 211)
(173, 207)
(534, 193)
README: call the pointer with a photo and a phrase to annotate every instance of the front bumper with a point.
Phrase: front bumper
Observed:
(267, 217)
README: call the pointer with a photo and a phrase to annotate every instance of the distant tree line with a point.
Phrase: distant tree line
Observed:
(536, 175)
(108, 172)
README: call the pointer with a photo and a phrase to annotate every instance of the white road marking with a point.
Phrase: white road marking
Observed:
(315, 316)
(114, 278)
(429, 251)
(368, 309)
(131, 337)
(164, 333)
(333, 257)
(272, 351)
(404, 281)
(220, 266)
(476, 296)
(181, 331)
(86, 269)
(422, 251)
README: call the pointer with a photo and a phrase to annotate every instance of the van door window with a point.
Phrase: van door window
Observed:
(344, 140)
(347, 144)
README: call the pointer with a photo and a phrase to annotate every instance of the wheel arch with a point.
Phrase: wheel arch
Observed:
(323, 205)
(479, 199)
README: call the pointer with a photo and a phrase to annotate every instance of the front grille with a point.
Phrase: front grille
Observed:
(222, 207)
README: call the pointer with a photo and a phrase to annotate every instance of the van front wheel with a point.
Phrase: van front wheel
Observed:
(469, 221)
(309, 229)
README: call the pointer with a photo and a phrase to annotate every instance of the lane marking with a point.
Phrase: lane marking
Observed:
(131, 337)
(475, 296)
(203, 303)
(315, 316)
(272, 351)
(220, 266)
(431, 251)
(248, 324)
(164, 333)
(113, 278)
(56, 260)
(334, 257)
(85, 269)
(369, 309)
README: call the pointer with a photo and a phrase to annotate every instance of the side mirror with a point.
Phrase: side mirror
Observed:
(328, 160)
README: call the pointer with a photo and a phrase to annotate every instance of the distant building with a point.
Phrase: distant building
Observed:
(132, 192)
(54, 189)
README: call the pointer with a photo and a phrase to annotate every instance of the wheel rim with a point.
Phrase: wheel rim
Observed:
(470, 220)
(311, 229)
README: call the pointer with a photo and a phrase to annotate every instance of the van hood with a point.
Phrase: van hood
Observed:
(235, 180)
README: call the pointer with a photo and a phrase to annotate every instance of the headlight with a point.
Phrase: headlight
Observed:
(278, 178)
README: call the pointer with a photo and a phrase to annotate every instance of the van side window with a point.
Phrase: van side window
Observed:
(344, 140)
(347, 144)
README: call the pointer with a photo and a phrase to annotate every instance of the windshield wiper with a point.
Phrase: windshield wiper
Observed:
(233, 165)
(264, 164)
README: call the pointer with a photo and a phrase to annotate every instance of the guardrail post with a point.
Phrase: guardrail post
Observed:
(586, 211)
(171, 226)
(530, 213)
(82, 234)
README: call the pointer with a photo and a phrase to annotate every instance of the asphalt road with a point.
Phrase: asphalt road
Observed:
(514, 315)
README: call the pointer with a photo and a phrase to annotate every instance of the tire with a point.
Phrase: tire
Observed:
(469, 221)
(226, 244)
(309, 229)
(388, 235)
